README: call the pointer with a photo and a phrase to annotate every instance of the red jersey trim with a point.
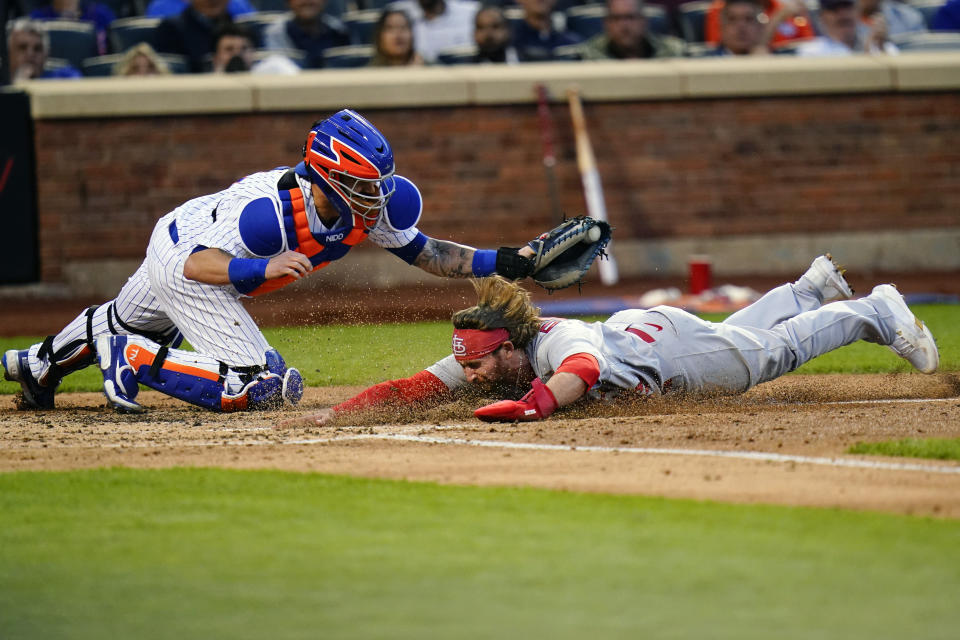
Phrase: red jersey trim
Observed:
(582, 365)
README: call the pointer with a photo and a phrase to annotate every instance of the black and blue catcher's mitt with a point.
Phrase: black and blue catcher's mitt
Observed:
(564, 254)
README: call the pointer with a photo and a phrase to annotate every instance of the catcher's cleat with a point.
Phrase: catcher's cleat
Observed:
(17, 369)
(292, 389)
(914, 342)
(826, 276)
(119, 378)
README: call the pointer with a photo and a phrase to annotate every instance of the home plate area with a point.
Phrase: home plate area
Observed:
(784, 442)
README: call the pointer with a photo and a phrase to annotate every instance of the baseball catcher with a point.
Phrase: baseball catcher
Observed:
(262, 233)
(503, 343)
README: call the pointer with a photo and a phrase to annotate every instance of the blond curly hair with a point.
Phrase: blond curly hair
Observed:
(501, 304)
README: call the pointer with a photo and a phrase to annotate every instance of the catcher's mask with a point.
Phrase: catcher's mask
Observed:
(352, 163)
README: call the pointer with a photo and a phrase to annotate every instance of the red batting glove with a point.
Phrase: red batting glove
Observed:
(538, 404)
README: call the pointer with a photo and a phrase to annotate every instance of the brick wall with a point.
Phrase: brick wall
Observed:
(669, 168)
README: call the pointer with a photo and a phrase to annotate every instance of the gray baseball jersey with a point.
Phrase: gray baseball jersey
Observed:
(667, 349)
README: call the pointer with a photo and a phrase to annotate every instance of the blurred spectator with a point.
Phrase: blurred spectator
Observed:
(841, 36)
(900, 18)
(786, 20)
(191, 33)
(491, 33)
(393, 41)
(99, 14)
(625, 36)
(141, 60)
(947, 17)
(741, 31)
(535, 38)
(439, 24)
(308, 29)
(169, 8)
(233, 49)
(28, 47)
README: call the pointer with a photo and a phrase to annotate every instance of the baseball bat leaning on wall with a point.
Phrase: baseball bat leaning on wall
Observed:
(592, 189)
(549, 158)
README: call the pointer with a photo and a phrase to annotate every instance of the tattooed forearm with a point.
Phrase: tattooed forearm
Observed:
(444, 258)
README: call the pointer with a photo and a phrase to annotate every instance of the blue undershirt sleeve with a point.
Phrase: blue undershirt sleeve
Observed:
(484, 262)
(409, 252)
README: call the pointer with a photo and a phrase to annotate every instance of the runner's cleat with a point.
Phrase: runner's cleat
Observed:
(119, 379)
(17, 369)
(826, 276)
(914, 342)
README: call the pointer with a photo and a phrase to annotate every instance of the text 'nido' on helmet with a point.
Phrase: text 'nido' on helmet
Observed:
(352, 163)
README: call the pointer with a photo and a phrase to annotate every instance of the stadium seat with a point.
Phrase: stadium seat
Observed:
(127, 32)
(126, 8)
(927, 8)
(514, 16)
(566, 52)
(270, 6)
(787, 48)
(296, 55)
(692, 19)
(348, 56)
(698, 49)
(458, 55)
(928, 41)
(53, 64)
(657, 19)
(360, 25)
(258, 21)
(100, 66)
(586, 20)
(378, 5)
(71, 40)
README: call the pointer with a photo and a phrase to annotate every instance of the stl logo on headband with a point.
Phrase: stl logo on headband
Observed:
(472, 344)
(459, 348)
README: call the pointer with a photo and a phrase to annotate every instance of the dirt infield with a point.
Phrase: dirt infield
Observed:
(782, 443)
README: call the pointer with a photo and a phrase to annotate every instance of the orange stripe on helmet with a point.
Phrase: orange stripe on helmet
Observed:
(348, 160)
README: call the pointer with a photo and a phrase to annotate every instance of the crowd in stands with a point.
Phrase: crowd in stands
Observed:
(73, 38)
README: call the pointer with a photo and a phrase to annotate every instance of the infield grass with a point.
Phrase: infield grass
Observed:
(365, 354)
(199, 553)
(934, 448)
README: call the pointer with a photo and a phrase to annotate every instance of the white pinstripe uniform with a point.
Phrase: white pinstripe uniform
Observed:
(158, 299)
(665, 348)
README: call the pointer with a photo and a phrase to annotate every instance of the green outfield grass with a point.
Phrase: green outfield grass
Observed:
(198, 553)
(364, 354)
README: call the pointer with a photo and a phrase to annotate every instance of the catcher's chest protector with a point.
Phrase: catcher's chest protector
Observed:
(322, 248)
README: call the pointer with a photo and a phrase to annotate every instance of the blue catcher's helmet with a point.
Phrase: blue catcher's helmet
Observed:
(352, 163)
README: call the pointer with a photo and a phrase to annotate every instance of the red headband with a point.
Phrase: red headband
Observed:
(471, 344)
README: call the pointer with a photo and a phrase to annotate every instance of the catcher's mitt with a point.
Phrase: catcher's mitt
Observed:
(564, 254)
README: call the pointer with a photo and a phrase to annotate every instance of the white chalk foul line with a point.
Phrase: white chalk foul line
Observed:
(742, 455)
(891, 401)
(533, 446)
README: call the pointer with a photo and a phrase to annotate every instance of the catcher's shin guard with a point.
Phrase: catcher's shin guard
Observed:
(128, 361)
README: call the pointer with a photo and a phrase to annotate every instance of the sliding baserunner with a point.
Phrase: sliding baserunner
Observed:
(502, 345)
